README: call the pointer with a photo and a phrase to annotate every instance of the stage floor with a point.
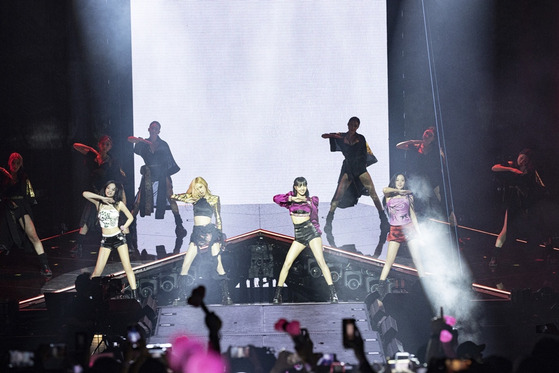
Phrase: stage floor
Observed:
(355, 228)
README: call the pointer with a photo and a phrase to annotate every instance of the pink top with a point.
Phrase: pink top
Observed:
(308, 208)
(399, 211)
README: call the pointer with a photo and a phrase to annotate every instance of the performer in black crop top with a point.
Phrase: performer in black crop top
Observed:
(205, 234)
(109, 205)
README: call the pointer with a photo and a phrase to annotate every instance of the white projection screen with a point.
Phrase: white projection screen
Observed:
(244, 90)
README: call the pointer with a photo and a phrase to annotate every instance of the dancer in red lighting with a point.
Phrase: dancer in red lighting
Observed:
(204, 233)
(304, 214)
(523, 188)
(109, 205)
(354, 177)
(403, 227)
(20, 196)
(425, 162)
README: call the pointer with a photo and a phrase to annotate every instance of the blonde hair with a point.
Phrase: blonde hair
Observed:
(198, 180)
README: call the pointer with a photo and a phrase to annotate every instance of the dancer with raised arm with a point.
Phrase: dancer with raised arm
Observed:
(109, 205)
(425, 162)
(403, 227)
(304, 215)
(156, 179)
(523, 188)
(205, 234)
(354, 174)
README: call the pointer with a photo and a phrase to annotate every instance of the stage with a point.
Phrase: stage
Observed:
(250, 228)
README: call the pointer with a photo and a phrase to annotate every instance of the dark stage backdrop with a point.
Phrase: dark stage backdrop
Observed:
(66, 72)
(496, 68)
(486, 72)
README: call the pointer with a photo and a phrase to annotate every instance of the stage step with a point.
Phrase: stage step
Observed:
(253, 324)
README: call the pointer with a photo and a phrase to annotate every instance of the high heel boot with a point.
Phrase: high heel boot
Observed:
(382, 288)
(277, 297)
(180, 231)
(333, 294)
(328, 225)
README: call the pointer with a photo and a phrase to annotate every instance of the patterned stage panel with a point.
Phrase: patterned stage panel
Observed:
(254, 325)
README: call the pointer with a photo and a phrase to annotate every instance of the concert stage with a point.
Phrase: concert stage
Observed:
(254, 256)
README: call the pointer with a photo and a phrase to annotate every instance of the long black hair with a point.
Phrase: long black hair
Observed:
(300, 181)
(118, 191)
(392, 184)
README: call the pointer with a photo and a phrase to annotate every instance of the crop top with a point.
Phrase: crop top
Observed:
(309, 208)
(398, 211)
(108, 218)
(205, 206)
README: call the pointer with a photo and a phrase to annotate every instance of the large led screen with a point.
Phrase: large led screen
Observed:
(244, 90)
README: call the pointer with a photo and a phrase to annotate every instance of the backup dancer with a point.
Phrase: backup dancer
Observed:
(354, 174)
(159, 166)
(523, 188)
(20, 195)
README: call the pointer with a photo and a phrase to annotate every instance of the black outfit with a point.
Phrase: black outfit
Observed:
(18, 199)
(10, 213)
(159, 166)
(357, 158)
(305, 232)
(207, 235)
(520, 194)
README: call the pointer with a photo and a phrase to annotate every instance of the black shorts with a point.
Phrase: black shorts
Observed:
(206, 235)
(113, 242)
(305, 232)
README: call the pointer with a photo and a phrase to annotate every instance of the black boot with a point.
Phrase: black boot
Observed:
(382, 288)
(180, 232)
(328, 225)
(45, 269)
(333, 294)
(136, 294)
(225, 296)
(178, 245)
(277, 297)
